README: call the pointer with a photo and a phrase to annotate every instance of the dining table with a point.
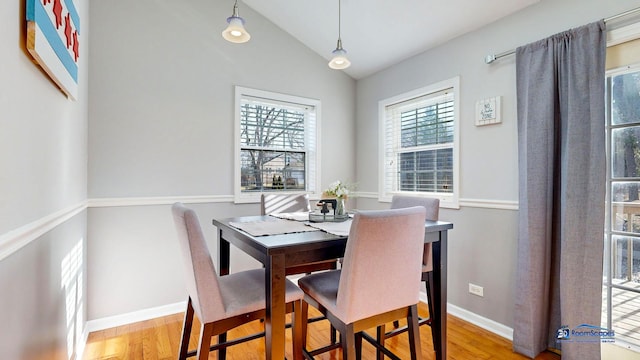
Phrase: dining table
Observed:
(281, 244)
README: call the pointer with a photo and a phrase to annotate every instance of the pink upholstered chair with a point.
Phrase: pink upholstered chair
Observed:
(221, 303)
(432, 207)
(379, 281)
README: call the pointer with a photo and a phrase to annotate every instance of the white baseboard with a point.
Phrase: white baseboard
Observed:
(468, 316)
(475, 319)
(135, 316)
(487, 324)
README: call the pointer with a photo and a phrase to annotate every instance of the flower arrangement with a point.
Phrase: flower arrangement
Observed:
(338, 190)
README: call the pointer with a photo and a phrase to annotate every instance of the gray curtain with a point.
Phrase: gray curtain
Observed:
(561, 144)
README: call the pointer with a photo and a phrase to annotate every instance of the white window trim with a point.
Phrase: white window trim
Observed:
(615, 37)
(446, 200)
(312, 174)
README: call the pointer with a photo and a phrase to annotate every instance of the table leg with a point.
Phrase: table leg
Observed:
(274, 322)
(224, 250)
(439, 284)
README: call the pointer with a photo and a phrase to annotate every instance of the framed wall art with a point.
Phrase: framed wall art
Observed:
(53, 30)
(488, 111)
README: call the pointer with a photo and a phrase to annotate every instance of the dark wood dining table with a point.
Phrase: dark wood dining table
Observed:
(284, 251)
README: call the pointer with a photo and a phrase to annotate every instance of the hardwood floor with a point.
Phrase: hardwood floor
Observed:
(159, 339)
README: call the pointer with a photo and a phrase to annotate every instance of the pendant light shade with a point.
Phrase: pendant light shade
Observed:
(339, 60)
(235, 32)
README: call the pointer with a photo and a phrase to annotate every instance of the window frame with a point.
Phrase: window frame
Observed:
(610, 233)
(447, 200)
(312, 145)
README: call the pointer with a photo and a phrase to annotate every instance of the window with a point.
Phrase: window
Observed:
(276, 144)
(419, 143)
(621, 291)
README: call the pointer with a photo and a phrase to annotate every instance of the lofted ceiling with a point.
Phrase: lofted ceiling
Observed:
(377, 34)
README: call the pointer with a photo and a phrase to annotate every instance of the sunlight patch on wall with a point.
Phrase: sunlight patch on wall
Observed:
(71, 282)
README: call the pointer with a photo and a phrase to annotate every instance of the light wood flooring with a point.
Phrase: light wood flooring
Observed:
(159, 339)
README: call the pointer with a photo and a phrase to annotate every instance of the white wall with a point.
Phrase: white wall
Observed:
(43, 177)
(161, 125)
(483, 241)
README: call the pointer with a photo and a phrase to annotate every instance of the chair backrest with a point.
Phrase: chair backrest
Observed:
(430, 204)
(433, 210)
(379, 275)
(200, 273)
(283, 203)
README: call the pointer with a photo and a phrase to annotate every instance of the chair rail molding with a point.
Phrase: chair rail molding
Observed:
(490, 204)
(16, 239)
(463, 202)
(161, 200)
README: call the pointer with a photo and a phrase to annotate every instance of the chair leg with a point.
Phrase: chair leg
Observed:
(414, 333)
(381, 333)
(333, 333)
(204, 343)
(296, 330)
(435, 334)
(222, 352)
(186, 331)
(348, 343)
(426, 277)
(358, 344)
(304, 315)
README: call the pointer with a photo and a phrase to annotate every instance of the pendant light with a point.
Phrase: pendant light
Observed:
(339, 60)
(235, 32)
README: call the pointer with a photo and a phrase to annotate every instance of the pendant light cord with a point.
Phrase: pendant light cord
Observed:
(339, 18)
(236, 13)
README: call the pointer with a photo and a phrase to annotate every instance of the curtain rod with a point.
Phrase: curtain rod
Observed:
(493, 57)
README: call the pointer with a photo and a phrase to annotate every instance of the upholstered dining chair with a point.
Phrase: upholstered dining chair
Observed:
(363, 294)
(432, 207)
(222, 303)
(287, 203)
(283, 203)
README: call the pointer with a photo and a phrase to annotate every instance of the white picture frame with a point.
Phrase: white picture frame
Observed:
(488, 111)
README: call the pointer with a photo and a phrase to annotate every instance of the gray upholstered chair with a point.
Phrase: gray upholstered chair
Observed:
(432, 207)
(286, 203)
(364, 294)
(221, 303)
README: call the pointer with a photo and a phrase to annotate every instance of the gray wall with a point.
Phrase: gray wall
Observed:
(483, 242)
(161, 109)
(43, 172)
(161, 125)
(36, 285)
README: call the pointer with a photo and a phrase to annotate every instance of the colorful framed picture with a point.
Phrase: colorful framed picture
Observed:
(53, 30)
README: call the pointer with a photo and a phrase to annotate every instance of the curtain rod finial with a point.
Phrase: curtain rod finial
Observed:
(489, 59)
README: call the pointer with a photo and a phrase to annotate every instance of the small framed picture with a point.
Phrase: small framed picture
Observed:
(488, 111)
